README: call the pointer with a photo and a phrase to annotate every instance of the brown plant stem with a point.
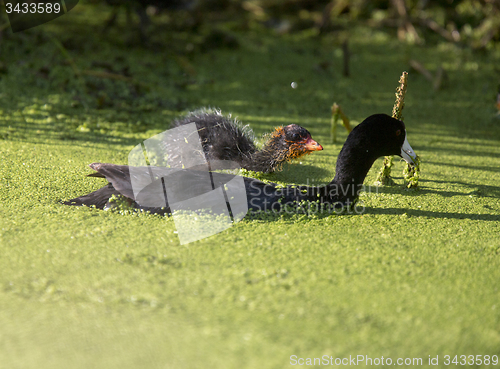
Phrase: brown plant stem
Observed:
(384, 176)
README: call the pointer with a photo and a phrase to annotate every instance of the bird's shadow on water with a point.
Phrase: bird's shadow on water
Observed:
(407, 212)
(270, 217)
(473, 189)
(489, 168)
(431, 214)
(477, 190)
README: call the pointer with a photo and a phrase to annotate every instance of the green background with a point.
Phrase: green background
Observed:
(415, 275)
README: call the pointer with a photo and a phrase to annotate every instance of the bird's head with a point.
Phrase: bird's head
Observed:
(287, 143)
(380, 135)
(298, 141)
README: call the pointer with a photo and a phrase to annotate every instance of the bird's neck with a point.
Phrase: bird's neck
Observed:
(274, 153)
(265, 160)
(353, 164)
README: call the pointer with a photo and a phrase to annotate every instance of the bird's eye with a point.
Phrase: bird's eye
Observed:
(398, 132)
(295, 136)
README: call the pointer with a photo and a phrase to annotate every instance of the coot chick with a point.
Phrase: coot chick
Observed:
(225, 138)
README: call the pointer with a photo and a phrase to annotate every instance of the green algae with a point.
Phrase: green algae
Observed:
(415, 275)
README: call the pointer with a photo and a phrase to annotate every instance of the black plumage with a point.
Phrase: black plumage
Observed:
(378, 135)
